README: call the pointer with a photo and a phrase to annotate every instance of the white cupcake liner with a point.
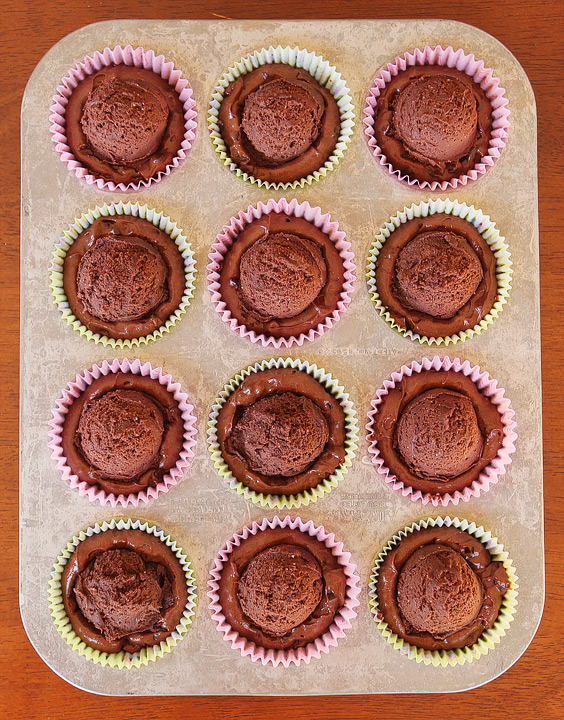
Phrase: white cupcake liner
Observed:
(120, 659)
(137, 57)
(76, 387)
(325, 486)
(159, 220)
(325, 74)
(488, 387)
(489, 638)
(228, 236)
(487, 230)
(466, 63)
(322, 644)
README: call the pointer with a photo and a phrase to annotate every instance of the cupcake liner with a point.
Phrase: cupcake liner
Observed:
(305, 497)
(120, 659)
(76, 387)
(487, 230)
(447, 57)
(159, 220)
(229, 234)
(488, 387)
(325, 74)
(137, 57)
(322, 644)
(488, 640)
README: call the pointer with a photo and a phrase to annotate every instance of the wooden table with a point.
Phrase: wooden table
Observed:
(534, 32)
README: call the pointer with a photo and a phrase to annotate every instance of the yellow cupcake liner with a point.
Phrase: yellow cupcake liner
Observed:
(159, 220)
(305, 497)
(489, 638)
(487, 230)
(121, 659)
(325, 74)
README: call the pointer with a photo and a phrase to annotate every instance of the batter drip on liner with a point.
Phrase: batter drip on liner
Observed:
(438, 588)
(278, 123)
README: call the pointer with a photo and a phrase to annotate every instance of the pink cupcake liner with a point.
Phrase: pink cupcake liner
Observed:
(127, 55)
(322, 644)
(75, 388)
(488, 387)
(230, 233)
(451, 58)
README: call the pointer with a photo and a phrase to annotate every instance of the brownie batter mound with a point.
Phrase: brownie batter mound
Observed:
(123, 121)
(280, 435)
(280, 588)
(437, 273)
(120, 433)
(121, 279)
(438, 434)
(281, 275)
(281, 120)
(120, 593)
(438, 592)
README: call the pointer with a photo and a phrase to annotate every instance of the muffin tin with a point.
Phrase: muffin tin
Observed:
(202, 353)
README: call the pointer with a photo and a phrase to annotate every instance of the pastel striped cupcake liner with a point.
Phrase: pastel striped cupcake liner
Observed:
(489, 639)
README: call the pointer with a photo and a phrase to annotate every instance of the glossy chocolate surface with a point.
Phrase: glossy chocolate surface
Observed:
(392, 406)
(469, 314)
(133, 172)
(322, 306)
(332, 598)
(171, 444)
(395, 151)
(240, 149)
(126, 226)
(269, 382)
(491, 575)
(151, 549)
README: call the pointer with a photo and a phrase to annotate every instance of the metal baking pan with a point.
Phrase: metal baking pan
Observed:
(202, 353)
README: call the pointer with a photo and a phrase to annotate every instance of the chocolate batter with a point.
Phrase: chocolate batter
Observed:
(81, 576)
(137, 476)
(117, 296)
(274, 112)
(401, 309)
(449, 601)
(433, 123)
(124, 123)
(270, 383)
(326, 268)
(385, 429)
(235, 579)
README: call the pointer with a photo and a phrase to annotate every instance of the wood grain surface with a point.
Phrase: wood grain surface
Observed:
(534, 686)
